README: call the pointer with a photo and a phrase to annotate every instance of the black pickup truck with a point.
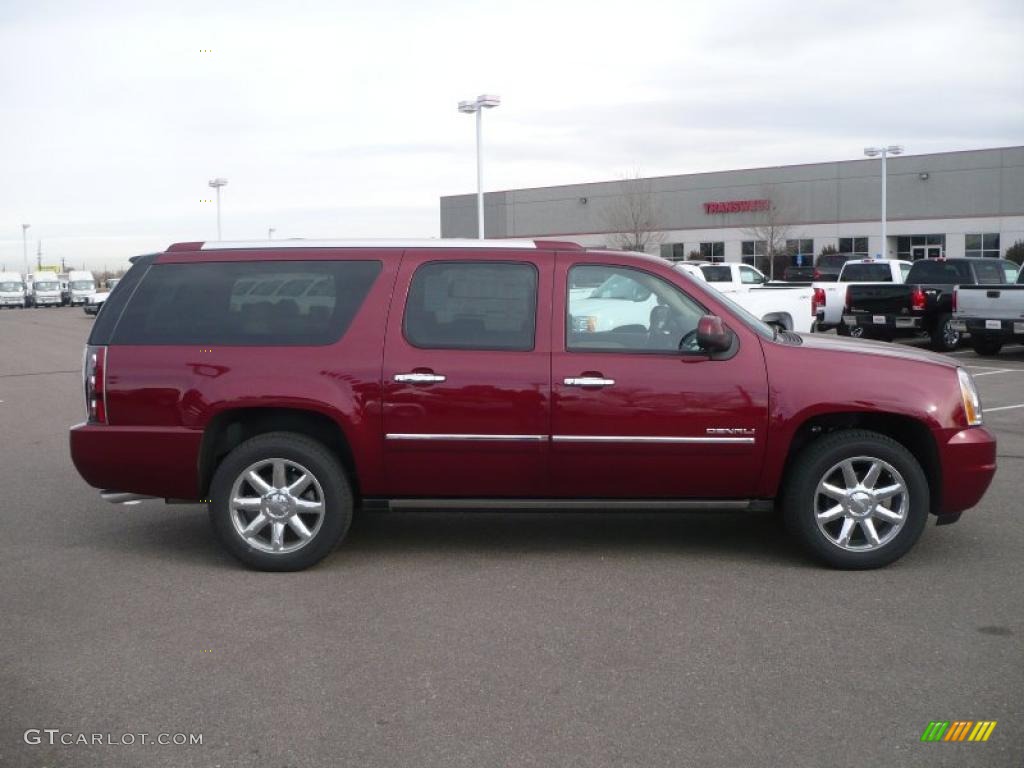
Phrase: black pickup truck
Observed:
(924, 303)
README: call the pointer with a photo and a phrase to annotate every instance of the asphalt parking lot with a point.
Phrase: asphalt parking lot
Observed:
(489, 639)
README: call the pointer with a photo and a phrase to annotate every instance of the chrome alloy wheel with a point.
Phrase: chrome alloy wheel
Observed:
(950, 335)
(861, 504)
(276, 506)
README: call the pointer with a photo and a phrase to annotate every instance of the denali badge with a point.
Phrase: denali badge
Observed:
(731, 431)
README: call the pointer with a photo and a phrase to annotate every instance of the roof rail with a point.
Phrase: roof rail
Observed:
(260, 245)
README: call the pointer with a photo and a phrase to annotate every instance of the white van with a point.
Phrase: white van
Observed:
(12, 290)
(44, 289)
(81, 285)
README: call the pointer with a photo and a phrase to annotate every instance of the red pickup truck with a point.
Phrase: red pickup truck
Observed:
(288, 383)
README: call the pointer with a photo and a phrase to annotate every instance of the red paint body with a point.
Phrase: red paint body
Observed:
(161, 400)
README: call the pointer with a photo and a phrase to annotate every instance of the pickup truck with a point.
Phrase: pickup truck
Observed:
(924, 303)
(457, 374)
(992, 316)
(786, 306)
(830, 297)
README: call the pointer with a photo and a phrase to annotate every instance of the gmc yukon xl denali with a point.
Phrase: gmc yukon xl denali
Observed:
(287, 384)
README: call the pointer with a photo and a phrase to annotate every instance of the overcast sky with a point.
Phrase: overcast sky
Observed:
(338, 119)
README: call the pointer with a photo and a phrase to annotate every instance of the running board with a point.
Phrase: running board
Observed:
(571, 505)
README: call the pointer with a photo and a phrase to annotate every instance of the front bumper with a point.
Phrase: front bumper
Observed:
(47, 300)
(968, 461)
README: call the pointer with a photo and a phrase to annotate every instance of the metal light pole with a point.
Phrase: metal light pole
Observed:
(24, 246)
(217, 184)
(892, 149)
(270, 233)
(482, 102)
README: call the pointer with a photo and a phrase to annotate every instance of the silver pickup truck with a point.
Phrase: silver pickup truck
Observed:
(992, 314)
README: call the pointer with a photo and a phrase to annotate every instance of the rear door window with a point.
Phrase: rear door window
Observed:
(246, 303)
(472, 305)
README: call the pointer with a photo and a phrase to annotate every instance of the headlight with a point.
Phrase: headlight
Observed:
(972, 402)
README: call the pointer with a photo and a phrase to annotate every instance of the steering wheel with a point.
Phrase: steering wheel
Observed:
(689, 340)
(666, 325)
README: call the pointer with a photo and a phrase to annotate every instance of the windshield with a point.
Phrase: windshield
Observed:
(7, 287)
(82, 285)
(47, 285)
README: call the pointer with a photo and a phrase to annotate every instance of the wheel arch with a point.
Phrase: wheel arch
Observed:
(912, 434)
(232, 427)
(780, 318)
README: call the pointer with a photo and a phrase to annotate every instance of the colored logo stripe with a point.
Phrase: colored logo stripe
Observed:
(958, 730)
(982, 730)
(934, 731)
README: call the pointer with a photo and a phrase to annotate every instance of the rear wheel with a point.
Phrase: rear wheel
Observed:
(856, 500)
(280, 502)
(945, 338)
(986, 346)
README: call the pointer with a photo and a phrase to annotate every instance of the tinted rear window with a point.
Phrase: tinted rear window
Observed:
(717, 274)
(472, 305)
(262, 303)
(866, 273)
(989, 272)
(939, 272)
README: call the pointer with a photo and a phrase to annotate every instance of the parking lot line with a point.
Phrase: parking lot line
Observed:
(1004, 408)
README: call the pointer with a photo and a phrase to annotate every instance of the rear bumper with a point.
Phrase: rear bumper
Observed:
(995, 329)
(162, 461)
(884, 322)
(968, 461)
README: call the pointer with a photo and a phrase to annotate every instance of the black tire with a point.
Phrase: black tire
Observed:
(944, 337)
(333, 483)
(986, 346)
(817, 462)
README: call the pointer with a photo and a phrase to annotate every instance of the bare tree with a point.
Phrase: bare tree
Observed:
(772, 228)
(633, 216)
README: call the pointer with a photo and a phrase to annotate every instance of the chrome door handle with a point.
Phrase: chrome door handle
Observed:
(420, 378)
(588, 381)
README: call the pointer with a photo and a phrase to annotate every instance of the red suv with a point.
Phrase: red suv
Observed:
(285, 383)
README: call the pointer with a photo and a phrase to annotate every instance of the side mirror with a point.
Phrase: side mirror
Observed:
(712, 335)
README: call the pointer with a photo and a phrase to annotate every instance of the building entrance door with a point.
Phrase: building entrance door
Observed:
(925, 252)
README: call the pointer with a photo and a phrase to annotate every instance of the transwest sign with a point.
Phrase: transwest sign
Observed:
(737, 206)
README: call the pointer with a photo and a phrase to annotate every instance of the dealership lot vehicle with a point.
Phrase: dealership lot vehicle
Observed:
(81, 285)
(44, 289)
(12, 290)
(831, 296)
(993, 316)
(924, 303)
(786, 307)
(498, 386)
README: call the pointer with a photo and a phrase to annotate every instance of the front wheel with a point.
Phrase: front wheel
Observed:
(945, 337)
(856, 500)
(280, 502)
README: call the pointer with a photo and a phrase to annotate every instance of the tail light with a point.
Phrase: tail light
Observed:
(817, 274)
(917, 300)
(818, 300)
(94, 375)
(955, 302)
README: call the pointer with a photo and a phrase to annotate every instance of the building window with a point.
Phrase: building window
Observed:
(801, 251)
(855, 246)
(713, 251)
(673, 251)
(751, 249)
(985, 244)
